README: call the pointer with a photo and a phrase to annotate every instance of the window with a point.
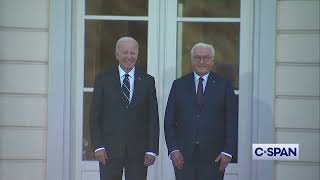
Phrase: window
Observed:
(166, 31)
(100, 39)
(225, 39)
(215, 22)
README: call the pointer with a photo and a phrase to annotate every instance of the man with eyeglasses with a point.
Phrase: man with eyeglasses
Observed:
(200, 120)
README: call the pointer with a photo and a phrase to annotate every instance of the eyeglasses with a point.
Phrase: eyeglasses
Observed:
(205, 59)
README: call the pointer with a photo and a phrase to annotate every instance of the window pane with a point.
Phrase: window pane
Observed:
(225, 39)
(209, 8)
(117, 7)
(87, 152)
(100, 41)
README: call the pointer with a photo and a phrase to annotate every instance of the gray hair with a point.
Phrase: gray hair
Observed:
(126, 39)
(203, 45)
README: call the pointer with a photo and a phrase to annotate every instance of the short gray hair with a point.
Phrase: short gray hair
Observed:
(203, 45)
(126, 39)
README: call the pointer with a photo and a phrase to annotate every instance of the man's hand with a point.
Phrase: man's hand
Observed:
(177, 159)
(101, 156)
(224, 161)
(149, 160)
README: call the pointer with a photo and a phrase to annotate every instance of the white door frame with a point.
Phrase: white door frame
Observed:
(263, 79)
(242, 168)
(59, 78)
(257, 79)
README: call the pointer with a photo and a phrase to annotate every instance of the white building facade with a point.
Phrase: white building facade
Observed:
(50, 51)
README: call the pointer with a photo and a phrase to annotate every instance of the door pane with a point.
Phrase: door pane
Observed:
(100, 41)
(117, 7)
(87, 151)
(209, 8)
(225, 39)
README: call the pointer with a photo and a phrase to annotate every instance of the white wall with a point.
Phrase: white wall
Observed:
(297, 102)
(23, 89)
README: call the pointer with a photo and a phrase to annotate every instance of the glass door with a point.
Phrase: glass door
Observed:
(100, 23)
(225, 24)
(166, 30)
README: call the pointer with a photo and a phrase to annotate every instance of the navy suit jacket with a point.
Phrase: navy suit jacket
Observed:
(213, 124)
(125, 131)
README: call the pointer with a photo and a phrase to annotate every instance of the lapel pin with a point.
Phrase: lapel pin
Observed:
(139, 78)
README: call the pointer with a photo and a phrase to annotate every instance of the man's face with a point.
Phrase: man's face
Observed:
(202, 61)
(127, 55)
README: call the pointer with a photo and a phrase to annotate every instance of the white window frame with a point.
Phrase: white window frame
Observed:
(59, 88)
(81, 166)
(256, 76)
(246, 30)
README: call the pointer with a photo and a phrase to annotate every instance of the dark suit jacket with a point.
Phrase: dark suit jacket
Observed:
(213, 124)
(124, 130)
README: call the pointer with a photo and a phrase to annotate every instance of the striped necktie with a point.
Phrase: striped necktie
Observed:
(125, 88)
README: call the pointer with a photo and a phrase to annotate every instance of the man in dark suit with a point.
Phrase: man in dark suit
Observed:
(200, 120)
(124, 120)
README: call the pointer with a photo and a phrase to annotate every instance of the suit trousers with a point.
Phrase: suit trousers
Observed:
(199, 169)
(133, 169)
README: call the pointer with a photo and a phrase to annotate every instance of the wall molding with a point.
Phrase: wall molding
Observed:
(58, 162)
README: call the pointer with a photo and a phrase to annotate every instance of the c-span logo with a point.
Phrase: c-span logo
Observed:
(275, 151)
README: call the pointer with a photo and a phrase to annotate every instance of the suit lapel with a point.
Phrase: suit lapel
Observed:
(138, 84)
(117, 85)
(192, 90)
(210, 87)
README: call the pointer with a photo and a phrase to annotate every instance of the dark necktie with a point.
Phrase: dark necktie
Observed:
(200, 91)
(125, 88)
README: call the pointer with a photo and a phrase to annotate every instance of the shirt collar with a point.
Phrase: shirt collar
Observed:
(122, 72)
(196, 77)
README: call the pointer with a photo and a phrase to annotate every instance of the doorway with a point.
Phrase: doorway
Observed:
(166, 31)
